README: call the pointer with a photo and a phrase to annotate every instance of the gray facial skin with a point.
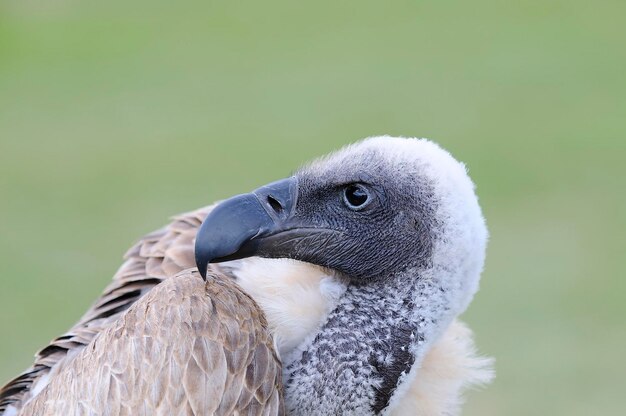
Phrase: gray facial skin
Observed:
(399, 219)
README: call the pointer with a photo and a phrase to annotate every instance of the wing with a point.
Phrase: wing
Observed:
(155, 257)
(187, 347)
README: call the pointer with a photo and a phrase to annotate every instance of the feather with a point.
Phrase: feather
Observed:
(166, 354)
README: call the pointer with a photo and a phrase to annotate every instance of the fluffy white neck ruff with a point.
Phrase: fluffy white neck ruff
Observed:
(297, 298)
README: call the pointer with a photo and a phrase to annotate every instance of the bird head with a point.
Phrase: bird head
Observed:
(369, 211)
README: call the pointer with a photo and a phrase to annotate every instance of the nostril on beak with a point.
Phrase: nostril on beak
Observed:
(276, 206)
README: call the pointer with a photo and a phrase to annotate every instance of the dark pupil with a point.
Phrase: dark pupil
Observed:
(355, 195)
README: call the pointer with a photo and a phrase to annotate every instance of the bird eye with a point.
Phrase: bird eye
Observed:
(356, 196)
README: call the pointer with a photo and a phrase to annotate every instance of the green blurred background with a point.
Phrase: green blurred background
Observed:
(116, 115)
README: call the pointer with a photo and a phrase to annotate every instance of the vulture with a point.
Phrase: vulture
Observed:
(335, 291)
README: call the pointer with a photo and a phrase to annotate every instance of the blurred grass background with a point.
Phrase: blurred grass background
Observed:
(116, 115)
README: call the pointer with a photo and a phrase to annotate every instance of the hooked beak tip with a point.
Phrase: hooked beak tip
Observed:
(202, 268)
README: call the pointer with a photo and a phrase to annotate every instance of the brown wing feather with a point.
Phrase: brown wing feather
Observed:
(187, 347)
(158, 255)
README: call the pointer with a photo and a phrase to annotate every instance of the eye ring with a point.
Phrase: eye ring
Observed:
(356, 196)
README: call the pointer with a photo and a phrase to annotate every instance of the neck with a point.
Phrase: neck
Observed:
(368, 345)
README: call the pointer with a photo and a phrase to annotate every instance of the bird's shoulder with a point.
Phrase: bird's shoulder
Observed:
(187, 345)
(155, 257)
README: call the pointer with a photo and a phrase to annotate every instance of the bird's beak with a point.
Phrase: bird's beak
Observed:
(240, 226)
